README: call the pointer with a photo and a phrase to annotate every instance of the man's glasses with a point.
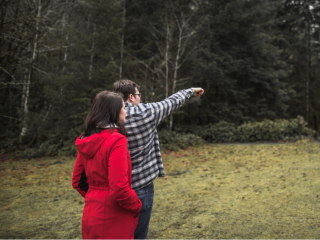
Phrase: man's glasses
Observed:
(139, 94)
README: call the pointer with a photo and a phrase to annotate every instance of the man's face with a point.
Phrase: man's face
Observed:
(136, 98)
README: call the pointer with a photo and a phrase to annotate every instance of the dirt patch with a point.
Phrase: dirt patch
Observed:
(211, 191)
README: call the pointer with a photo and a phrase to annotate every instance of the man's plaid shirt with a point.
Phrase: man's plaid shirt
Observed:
(143, 142)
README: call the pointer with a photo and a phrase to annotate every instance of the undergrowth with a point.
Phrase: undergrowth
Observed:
(210, 191)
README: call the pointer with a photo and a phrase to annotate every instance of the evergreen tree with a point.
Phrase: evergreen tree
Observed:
(300, 23)
(242, 65)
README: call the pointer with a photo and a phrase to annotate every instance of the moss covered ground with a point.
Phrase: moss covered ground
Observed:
(210, 191)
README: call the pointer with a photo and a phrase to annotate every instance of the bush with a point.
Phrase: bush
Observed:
(266, 130)
(9, 140)
(220, 132)
(55, 146)
(173, 141)
(182, 137)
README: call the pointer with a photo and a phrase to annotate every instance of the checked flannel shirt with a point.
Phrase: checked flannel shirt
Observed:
(143, 142)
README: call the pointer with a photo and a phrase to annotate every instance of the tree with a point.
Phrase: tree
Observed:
(242, 65)
(172, 36)
(301, 27)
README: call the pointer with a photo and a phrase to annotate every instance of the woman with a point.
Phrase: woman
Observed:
(102, 172)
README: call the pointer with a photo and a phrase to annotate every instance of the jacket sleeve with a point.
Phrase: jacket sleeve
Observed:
(79, 178)
(118, 176)
(163, 108)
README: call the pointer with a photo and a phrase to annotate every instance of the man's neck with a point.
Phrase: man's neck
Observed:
(130, 103)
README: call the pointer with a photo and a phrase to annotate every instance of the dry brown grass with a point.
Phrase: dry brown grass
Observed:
(211, 191)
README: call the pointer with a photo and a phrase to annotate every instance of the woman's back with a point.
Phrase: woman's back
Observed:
(111, 205)
(95, 152)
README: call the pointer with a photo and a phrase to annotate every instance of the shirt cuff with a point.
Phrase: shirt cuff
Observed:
(190, 91)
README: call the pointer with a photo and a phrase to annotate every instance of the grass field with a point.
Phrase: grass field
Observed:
(210, 191)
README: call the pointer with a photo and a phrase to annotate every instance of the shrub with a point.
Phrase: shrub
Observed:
(9, 140)
(266, 130)
(220, 132)
(173, 141)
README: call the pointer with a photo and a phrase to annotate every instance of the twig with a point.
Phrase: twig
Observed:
(8, 73)
(10, 117)
(13, 83)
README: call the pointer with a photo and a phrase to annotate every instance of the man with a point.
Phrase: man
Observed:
(143, 142)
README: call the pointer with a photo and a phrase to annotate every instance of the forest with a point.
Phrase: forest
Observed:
(257, 60)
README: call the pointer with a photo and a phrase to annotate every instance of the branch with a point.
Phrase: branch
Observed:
(184, 79)
(181, 83)
(189, 35)
(41, 72)
(8, 73)
(142, 63)
(186, 57)
(13, 83)
(10, 117)
(161, 52)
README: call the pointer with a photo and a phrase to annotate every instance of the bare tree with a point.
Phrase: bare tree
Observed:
(308, 55)
(92, 51)
(122, 37)
(177, 31)
(27, 90)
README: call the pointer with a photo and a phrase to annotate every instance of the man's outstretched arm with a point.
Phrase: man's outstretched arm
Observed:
(163, 108)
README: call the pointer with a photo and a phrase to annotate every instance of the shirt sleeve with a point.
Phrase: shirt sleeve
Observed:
(79, 178)
(163, 108)
(118, 170)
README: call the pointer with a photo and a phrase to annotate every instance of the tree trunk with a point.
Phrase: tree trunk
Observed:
(308, 58)
(122, 38)
(24, 86)
(65, 55)
(176, 67)
(167, 58)
(3, 11)
(92, 52)
(27, 92)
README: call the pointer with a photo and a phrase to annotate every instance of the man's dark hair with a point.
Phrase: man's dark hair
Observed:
(125, 87)
(105, 110)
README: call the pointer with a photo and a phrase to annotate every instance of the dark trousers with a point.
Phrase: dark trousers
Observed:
(146, 197)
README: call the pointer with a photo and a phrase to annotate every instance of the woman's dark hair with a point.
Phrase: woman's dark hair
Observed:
(105, 110)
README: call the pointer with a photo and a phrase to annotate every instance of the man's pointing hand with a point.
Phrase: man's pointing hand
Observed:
(197, 91)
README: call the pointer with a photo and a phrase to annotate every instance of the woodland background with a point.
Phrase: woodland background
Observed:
(258, 60)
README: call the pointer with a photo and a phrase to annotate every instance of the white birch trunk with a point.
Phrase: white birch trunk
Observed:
(167, 58)
(65, 55)
(307, 12)
(24, 86)
(122, 38)
(92, 52)
(27, 90)
(176, 67)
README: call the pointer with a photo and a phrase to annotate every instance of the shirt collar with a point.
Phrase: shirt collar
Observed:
(126, 104)
(108, 126)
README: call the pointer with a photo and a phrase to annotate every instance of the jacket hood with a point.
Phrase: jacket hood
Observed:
(88, 146)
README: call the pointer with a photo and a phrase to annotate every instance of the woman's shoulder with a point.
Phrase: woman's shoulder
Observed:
(115, 136)
(118, 135)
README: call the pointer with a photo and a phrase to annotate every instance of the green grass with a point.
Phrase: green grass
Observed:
(210, 191)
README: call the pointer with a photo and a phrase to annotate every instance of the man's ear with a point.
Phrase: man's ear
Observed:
(130, 98)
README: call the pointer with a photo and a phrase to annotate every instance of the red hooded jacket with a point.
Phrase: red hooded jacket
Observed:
(102, 175)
